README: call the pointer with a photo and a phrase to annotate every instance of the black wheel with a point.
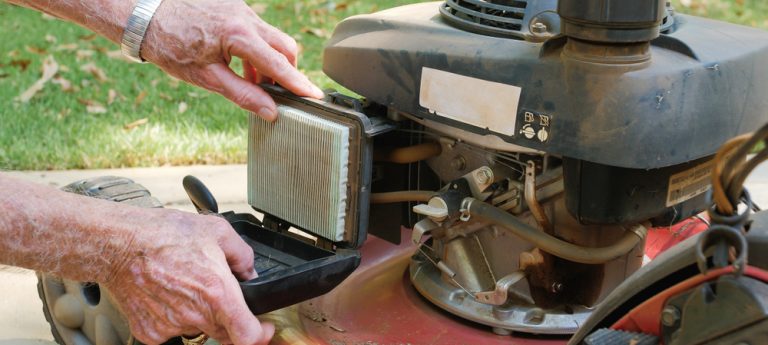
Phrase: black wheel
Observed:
(82, 313)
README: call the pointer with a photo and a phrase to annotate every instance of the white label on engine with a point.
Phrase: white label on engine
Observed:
(473, 101)
(688, 184)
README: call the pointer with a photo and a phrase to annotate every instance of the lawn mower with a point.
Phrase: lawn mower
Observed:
(507, 172)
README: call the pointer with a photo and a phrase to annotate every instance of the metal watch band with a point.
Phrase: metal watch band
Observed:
(136, 28)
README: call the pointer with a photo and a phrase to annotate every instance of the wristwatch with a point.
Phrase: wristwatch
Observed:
(136, 28)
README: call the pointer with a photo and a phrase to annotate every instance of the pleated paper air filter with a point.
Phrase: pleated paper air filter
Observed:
(299, 171)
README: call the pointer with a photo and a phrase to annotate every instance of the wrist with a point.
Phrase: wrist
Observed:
(136, 28)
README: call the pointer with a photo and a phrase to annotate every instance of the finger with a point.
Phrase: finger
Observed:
(242, 326)
(283, 43)
(250, 74)
(243, 93)
(239, 256)
(270, 63)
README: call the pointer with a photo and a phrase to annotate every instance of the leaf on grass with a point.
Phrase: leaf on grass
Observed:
(84, 54)
(165, 96)
(36, 50)
(66, 85)
(21, 64)
(95, 108)
(4, 75)
(140, 97)
(50, 68)
(13, 53)
(183, 107)
(259, 8)
(67, 47)
(94, 70)
(47, 16)
(173, 82)
(136, 123)
(50, 38)
(116, 54)
(316, 32)
(89, 37)
(111, 96)
(341, 6)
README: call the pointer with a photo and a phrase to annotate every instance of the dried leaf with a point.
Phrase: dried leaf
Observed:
(83, 54)
(47, 16)
(140, 97)
(341, 7)
(94, 70)
(136, 123)
(165, 96)
(89, 37)
(173, 82)
(259, 8)
(50, 68)
(13, 53)
(116, 54)
(111, 96)
(84, 101)
(50, 38)
(183, 107)
(95, 108)
(21, 64)
(316, 32)
(36, 50)
(66, 85)
(67, 47)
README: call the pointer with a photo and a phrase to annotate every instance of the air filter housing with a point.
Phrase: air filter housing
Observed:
(312, 168)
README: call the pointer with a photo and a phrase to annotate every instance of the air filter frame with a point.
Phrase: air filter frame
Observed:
(363, 129)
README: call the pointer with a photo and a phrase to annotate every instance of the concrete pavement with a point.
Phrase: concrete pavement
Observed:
(21, 318)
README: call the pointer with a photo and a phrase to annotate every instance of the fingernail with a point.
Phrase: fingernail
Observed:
(319, 93)
(267, 114)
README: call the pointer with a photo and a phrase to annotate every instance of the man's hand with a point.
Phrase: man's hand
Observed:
(177, 278)
(171, 273)
(195, 40)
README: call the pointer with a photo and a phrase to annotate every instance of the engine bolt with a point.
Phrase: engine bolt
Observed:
(539, 28)
(459, 163)
(557, 287)
(669, 316)
(484, 176)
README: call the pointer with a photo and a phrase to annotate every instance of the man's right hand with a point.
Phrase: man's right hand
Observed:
(195, 40)
(180, 276)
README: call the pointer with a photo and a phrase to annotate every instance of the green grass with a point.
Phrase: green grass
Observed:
(55, 130)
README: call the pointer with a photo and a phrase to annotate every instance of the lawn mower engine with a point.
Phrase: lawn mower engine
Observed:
(530, 145)
(511, 158)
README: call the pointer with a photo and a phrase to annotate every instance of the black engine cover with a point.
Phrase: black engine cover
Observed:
(706, 82)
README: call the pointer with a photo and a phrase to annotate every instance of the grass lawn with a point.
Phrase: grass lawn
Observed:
(100, 112)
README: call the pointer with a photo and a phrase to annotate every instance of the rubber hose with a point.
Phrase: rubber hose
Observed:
(554, 245)
(410, 154)
(404, 196)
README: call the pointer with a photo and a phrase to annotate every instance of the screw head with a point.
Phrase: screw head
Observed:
(539, 28)
(459, 163)
(669, 316)
(484, 176)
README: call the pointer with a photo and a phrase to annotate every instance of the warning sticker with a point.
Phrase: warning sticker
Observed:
(689, 184)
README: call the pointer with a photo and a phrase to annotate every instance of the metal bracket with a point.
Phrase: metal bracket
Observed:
(500, 294)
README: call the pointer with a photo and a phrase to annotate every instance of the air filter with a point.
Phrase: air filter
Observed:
(302, 170)
(311, 168)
